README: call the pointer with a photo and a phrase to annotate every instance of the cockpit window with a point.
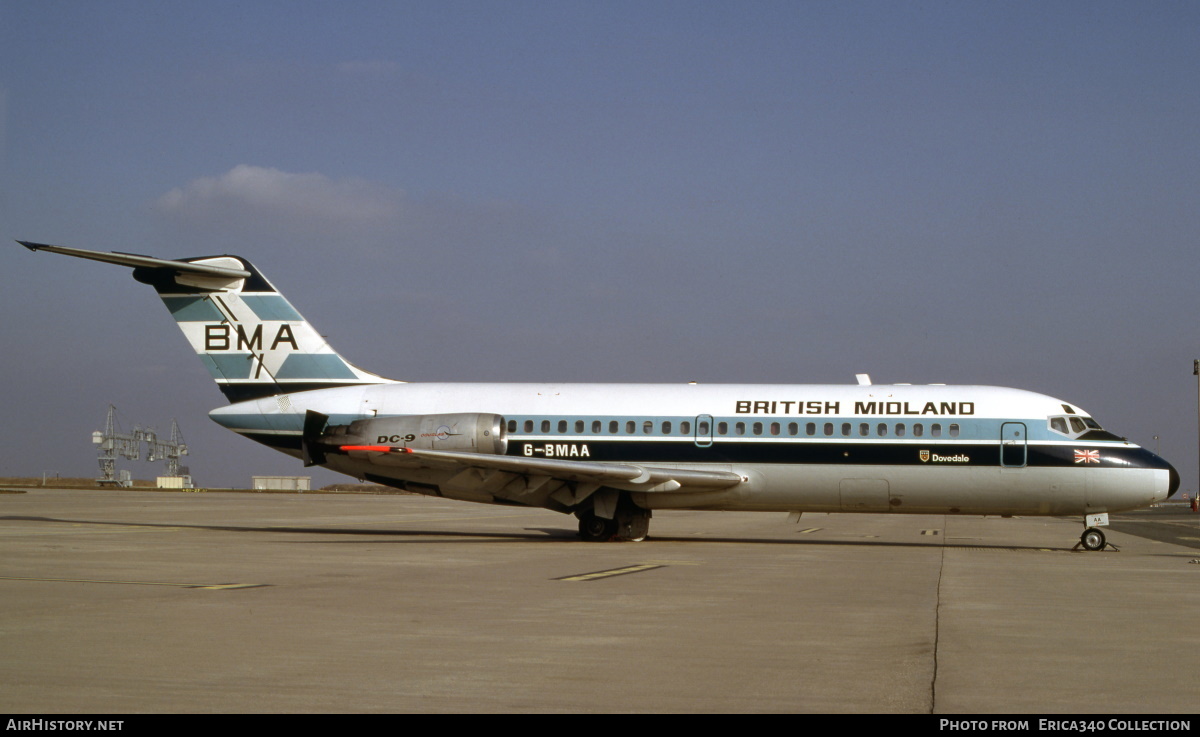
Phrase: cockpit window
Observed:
(1075, 426)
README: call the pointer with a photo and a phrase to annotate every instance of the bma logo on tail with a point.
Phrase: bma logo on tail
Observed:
(217, 338)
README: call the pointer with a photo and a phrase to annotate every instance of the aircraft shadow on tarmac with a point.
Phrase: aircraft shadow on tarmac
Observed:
(527, 535)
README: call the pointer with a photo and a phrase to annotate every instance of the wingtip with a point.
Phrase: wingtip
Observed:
(30, 246)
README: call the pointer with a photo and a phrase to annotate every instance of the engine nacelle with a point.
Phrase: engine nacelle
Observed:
(468, 431)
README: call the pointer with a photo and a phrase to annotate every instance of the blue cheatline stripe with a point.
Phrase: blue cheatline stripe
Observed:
(788, 428)
(960, 457)
(271, 307)
(228, 365)
(192, 309)
(314, 366)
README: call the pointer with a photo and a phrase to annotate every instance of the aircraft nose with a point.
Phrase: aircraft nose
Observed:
(1173, 484)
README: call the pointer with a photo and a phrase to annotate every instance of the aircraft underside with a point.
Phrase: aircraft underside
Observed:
(897, 490)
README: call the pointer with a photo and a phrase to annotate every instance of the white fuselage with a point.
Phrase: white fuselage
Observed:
(819, 448)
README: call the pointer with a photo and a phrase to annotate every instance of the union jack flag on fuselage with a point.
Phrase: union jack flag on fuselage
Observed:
(1087, 456)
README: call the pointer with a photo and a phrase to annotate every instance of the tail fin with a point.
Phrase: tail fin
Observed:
(251, 339)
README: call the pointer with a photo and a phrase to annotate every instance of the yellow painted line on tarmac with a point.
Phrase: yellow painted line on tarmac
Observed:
(641, 567)
(810, 530)
(230, 586)
(674, 562)
(139, 583)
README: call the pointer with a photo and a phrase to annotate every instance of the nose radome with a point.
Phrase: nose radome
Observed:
(1173, 484)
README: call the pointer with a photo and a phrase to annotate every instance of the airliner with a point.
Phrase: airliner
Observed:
(613, 454)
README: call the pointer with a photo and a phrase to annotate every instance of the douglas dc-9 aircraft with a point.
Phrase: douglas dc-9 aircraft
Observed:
(612, 454)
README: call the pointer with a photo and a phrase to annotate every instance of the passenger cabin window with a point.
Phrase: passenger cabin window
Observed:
(528, 425)
(685, 428)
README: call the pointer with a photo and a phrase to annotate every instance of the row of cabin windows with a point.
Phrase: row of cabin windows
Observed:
(614, 427)
(811, 429)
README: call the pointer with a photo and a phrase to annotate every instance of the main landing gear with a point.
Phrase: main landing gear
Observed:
(596, 529)
(627, 522)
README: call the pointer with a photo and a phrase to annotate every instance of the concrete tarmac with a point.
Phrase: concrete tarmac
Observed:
(131, 601)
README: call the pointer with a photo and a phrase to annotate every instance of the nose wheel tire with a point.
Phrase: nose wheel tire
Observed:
(1092, 539)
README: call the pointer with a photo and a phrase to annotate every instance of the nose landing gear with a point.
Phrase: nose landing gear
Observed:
(1092, 539)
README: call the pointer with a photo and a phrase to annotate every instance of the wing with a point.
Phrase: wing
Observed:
(535, 480)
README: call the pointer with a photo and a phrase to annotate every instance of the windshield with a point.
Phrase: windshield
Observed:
(1079, 427)
(1073, 425)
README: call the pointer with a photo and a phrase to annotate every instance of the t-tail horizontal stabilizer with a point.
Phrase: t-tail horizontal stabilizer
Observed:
(136, 261)
(250, 338)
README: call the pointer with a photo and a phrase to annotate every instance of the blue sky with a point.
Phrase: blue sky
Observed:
(992, 193)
